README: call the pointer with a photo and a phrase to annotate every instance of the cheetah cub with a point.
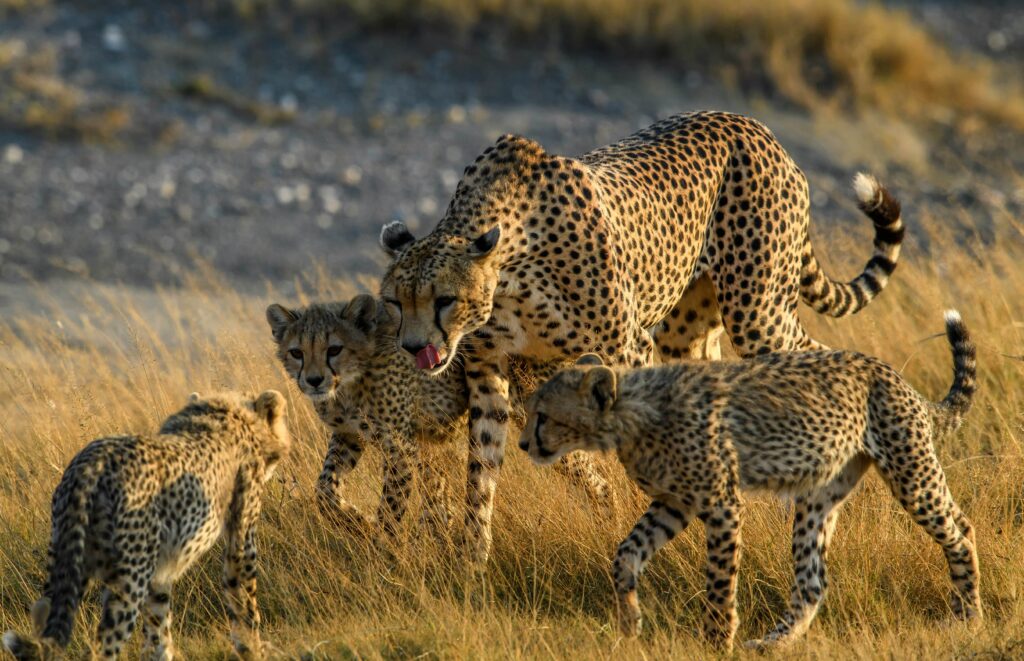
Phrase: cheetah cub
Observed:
(806, 424)
(135, 512)
(343, 356)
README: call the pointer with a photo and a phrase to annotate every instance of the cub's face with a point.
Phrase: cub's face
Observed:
(325, 347)
(565, 413)
(440, 288)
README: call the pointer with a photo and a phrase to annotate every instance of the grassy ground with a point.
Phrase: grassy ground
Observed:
(88, 360)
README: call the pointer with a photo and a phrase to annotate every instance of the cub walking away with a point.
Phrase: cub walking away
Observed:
(135, 512)
(807, 424)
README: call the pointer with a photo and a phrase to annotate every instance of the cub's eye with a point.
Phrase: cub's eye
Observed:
(441, 302)
(333, 350)
(296, 354)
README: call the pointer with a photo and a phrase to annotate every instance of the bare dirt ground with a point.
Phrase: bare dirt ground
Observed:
(268, 150)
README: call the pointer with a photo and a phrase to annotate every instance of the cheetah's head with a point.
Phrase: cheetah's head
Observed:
(442, 286)
(566, 413)
(326, 346)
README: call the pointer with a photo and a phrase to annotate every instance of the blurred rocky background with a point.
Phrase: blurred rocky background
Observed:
(269, 138)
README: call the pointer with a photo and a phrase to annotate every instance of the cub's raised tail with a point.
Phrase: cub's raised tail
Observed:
(839, 299)
(950, 411)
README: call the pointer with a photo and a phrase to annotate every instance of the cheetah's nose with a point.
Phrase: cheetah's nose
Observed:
(414, 347)
(314, 381)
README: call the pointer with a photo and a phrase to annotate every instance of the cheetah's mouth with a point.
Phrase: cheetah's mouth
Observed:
(428, 358)
(433, 360)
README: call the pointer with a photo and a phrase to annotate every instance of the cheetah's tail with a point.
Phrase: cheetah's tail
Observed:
(28, 648)
(67, 579)
(839, 299)
(951, 410)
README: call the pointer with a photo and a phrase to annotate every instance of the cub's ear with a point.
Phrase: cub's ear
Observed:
(271, 406)
(589, 359)
(362, 312)
(485, 243)
(601, 385)
(395, 237)
(194, 398)
(279, 318)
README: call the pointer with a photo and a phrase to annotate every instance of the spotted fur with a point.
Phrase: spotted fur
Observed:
(700, 220)
(806, 424)
(135, 512)
(343, 357)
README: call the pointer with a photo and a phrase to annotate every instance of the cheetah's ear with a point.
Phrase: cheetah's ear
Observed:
(279, 318)
(194, 398)
(589, 359)
(362, 311)
(484, 244)
(271, 406)
(600, 384)
(395, 237)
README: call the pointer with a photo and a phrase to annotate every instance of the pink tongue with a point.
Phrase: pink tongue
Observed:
(428, 357)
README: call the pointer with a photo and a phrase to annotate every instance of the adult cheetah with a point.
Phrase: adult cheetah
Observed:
(806, 424)
(698, 218)
(136, 512)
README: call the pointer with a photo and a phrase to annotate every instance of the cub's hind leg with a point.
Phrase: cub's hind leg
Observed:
(814, 522)
(156, 624)
(436, 514)
(908, 463)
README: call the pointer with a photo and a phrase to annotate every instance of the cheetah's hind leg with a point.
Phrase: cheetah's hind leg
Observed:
(693, 328)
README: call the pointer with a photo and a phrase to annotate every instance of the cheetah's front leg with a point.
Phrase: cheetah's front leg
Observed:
(722, 529)
(343, 453)
(488, 382)
(659, 524)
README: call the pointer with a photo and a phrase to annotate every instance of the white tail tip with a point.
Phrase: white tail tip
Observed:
(952, 317)
(867, 188)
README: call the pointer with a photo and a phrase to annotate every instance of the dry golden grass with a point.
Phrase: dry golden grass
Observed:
(89, 360)
(842, 54)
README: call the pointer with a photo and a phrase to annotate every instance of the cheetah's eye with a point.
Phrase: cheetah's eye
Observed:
(296, 354)
(441, 302)
(333, 350)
